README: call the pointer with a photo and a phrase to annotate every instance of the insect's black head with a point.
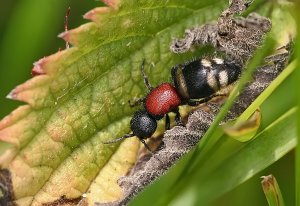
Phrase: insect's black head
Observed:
(142, 124)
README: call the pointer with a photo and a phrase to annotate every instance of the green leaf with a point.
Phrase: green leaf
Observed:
(79, 101)
(272, 191)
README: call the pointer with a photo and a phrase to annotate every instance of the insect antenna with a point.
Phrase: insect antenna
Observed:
(119, 139)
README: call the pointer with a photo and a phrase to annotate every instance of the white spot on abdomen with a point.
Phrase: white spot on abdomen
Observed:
(205, 63)
(212, 81)
(223, 78)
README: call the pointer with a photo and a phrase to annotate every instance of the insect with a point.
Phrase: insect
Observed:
(194, 83)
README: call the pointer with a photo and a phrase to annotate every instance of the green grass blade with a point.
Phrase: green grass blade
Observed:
(270, 145)
(271, 88)
(272, 191)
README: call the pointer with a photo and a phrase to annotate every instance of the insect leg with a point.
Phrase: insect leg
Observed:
(136, 102)
(167, 125)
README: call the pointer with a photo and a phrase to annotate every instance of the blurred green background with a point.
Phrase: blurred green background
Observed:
(28, 31)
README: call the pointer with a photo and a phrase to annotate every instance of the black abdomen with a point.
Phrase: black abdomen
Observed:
(204, 77)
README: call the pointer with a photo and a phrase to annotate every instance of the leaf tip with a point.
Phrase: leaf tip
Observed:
(93, 14)
(71, 36)
(38, 67)
(267, 181)
(12, 95)
(64, 35)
